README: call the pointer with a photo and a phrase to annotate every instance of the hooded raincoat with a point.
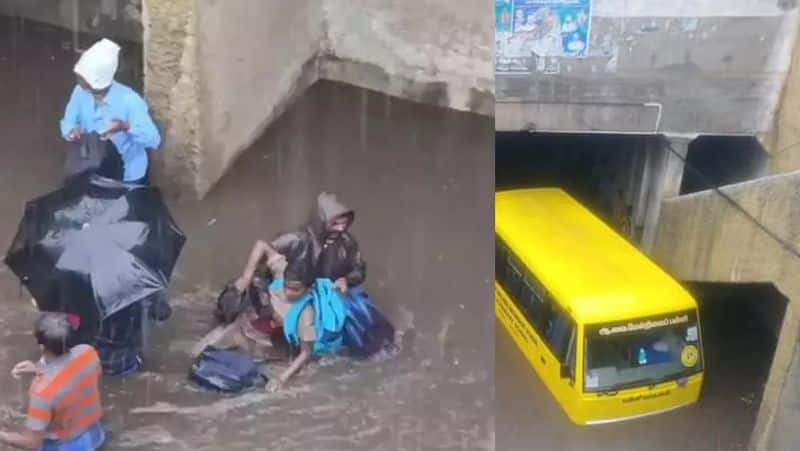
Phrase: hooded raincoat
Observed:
(309, 244)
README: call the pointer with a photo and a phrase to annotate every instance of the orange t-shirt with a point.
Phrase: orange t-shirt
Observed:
(65, 395)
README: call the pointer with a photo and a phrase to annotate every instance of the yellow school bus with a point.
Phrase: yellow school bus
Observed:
(611, 334)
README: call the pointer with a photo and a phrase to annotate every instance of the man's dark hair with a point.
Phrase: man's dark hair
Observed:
(52, 331)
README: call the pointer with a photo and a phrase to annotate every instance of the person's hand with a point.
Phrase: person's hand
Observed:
(21, 368)
(116, 127)
(274, 385)
(277, 263)
(74, 135)
(241, 284)
(341, 285)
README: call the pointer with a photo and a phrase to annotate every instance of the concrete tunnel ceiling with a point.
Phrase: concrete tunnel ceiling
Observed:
(199, 61)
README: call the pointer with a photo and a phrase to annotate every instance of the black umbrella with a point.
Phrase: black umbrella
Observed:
(95, 247)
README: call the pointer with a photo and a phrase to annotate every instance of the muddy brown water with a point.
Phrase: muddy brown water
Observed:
(420, 180)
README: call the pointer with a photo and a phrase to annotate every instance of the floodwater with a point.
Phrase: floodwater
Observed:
(418, 178)
(736, 367)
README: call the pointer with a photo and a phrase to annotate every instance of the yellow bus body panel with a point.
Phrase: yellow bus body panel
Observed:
(597, 277)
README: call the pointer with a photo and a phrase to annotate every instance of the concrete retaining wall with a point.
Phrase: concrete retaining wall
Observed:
(701, 237)
(705, 66)
(252, 61)
(430, 51)
(217, 76)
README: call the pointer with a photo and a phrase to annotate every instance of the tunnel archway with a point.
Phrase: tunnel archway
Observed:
(741, 327)
(605, 172)
(742, 321)
(714, 161)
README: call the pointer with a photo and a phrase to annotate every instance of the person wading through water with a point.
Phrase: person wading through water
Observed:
(64, 412)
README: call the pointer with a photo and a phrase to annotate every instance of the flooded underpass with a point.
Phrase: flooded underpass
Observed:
(739, 342)
(740, 326)
(417, 177)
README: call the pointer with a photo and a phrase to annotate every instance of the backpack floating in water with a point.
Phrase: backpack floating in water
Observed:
(225, 371)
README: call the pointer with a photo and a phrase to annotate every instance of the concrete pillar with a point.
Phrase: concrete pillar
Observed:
(664, 173)
(643, 188)
(779, 414)
(784, 436)
(637, 187)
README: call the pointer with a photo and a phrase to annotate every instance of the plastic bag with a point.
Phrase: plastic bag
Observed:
(93, 155)
(225, 371)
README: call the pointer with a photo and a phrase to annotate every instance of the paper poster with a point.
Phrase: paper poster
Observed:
(532, 35)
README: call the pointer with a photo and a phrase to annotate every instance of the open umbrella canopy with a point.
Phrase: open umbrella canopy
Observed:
(95, 247)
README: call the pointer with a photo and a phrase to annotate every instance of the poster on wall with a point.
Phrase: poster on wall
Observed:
(533, 35)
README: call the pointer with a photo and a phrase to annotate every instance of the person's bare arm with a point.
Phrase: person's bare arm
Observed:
(26, 439)
(284, 242)
(297, 364)
(260, 250)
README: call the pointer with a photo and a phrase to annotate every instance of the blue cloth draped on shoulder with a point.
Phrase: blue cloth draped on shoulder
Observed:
(329, 317)
(351, 321)
(367, 331)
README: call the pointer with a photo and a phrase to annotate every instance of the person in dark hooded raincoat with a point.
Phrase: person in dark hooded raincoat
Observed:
(332, 219)
(326, 244)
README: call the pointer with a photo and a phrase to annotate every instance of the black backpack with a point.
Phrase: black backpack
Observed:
(231, 303)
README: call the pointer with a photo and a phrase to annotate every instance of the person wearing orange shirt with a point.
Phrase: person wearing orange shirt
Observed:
(64, 412)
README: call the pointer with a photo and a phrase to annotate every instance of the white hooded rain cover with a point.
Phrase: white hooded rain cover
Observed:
(98, 64)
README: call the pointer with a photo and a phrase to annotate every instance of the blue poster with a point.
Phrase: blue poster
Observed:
(503, 13)
(542, 32)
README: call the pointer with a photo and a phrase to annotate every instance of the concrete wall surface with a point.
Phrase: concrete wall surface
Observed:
(701, 237)
(430, 51)
(707, 67)
(218, 73)
(784, 141)
(784, 437)
(252, 60)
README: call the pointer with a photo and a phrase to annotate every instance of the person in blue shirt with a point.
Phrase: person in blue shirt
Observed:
(100, 104)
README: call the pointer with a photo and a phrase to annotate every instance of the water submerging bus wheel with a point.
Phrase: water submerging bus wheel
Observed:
(611, 334)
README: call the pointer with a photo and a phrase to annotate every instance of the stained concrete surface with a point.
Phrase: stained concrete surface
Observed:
(701, 236)
(417, 176)
(201, 54)
(738, 353)
(721, 73)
